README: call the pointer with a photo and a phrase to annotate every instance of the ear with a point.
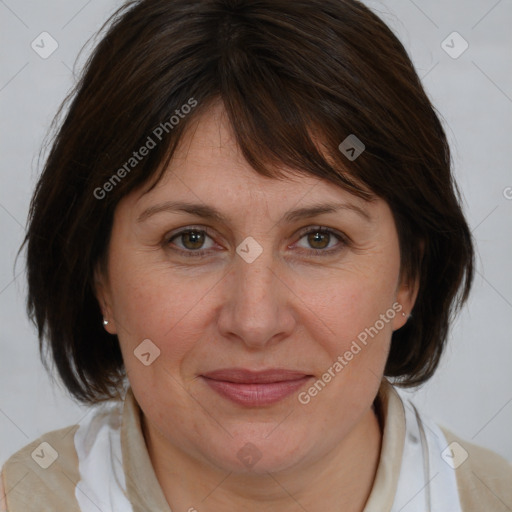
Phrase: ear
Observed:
(406, 295)
(407, 291)
(104, 297)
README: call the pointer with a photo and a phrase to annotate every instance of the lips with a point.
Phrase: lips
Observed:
(255, 388)
(243, 376)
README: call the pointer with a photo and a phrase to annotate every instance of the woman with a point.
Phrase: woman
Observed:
(246, 226)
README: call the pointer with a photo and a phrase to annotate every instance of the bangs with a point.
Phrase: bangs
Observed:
(287, 108)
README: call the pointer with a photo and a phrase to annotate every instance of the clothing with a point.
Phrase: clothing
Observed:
(102, 463)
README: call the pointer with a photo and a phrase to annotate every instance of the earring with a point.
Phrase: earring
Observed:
(105, 322)
(403, 314)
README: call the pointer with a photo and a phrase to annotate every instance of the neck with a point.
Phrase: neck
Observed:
(339, 480)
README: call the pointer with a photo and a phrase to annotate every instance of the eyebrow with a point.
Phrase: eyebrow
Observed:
(208, 212)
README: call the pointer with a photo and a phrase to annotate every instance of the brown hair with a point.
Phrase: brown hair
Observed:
(290, 74)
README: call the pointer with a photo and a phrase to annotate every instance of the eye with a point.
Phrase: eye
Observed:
(192, 241)
(323, 241)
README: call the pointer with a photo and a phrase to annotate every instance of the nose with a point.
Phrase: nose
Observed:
(257, 307)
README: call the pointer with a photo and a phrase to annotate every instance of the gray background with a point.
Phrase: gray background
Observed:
(472, 391)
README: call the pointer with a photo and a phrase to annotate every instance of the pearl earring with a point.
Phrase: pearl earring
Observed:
(403, 314)
(105, 322)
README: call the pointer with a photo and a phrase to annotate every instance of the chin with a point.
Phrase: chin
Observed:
(253, 452)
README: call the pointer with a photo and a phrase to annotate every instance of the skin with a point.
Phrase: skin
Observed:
(289, 308)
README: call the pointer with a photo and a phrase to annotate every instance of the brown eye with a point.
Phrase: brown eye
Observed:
(318, 239)
(322, 241)
(193, 239)
(190, 242)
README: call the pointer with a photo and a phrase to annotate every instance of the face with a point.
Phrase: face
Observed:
(314, 298)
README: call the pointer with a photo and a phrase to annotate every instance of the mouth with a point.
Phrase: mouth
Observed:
(255, 388)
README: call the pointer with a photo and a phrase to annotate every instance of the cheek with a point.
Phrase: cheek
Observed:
(352, 302)
(151, 303)
(147, 307)
(357, 313)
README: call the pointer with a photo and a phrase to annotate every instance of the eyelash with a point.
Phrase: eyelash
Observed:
(316, 252)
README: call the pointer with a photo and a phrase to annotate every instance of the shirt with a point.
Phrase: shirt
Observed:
(102, 463)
